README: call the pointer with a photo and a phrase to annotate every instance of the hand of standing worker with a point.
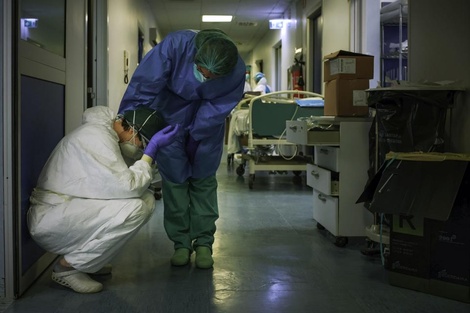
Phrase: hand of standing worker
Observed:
(191, 148)
(161, 139)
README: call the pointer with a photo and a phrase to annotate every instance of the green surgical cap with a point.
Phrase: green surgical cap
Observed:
(215, 51)
(145, 120)
(206, 34)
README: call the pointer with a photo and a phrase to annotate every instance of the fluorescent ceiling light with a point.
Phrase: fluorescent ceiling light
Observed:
(217, 18)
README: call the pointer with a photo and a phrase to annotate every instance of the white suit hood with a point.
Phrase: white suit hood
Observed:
(88, 163)
(263, 81)
(261, 86)
(99, 114)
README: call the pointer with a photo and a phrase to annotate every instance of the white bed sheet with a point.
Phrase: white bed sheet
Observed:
(239, 125)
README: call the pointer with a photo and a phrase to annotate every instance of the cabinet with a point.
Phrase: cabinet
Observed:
(339, 172)
(408, 119)
(394, 40)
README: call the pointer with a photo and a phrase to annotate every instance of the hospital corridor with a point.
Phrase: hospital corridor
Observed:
(234, 156)
(269, 257)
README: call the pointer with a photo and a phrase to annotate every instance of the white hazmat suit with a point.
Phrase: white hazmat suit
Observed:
(263, 86)
(88, 202)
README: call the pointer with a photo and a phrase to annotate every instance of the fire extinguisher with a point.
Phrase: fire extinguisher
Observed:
(296, 70)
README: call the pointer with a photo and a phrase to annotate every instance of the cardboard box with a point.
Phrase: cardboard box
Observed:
(430, 286)
(450, 252)
(450, 240)
(427, 195)
(409, 241)
(339, 97)
(348, 65)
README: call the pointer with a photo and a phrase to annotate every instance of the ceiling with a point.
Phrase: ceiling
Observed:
(249, 24)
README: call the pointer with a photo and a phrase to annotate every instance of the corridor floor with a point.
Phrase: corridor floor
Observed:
(269, 257)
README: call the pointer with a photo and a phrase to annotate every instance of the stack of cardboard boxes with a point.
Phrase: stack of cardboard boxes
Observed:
(427, 195)
(346, 76)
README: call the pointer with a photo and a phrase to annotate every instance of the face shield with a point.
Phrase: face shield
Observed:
(129, 148)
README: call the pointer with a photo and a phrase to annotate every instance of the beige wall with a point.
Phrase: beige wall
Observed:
(290, 38)
(124, 19)
(439, 38)
(336, 35)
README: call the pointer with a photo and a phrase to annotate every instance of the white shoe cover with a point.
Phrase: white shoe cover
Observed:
(78, 281)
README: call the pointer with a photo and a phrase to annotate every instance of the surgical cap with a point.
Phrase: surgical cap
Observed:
(145, 120)
(216, 52)
(258, 76)
(206, 34)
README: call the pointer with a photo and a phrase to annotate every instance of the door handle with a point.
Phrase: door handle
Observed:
(293, 128)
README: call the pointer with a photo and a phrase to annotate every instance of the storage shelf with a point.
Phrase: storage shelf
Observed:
(337, 175)
(394, 38)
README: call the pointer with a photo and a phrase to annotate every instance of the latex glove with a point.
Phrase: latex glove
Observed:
(191, 148)
(161, 139)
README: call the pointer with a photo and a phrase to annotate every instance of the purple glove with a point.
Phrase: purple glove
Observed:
(161, 139)
(191, 148)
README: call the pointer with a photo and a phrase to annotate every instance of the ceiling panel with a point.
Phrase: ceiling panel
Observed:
(249, 25)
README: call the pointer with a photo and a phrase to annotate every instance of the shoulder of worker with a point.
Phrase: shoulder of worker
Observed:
(176, 42)
(182, 34)
(98, 114)
(263, 81)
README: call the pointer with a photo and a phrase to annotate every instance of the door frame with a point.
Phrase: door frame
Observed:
(7, 235)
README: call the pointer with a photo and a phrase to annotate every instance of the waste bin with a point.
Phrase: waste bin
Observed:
(408, 120)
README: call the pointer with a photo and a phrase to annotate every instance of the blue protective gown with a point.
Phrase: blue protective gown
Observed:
(165, 82)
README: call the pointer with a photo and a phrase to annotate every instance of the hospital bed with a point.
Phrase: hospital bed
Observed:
(237, 137)
(262, 120)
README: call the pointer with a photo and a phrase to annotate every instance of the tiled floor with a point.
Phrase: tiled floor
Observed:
(269, 257)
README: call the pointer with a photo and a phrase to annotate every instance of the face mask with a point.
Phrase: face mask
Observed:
(198, 74)
(130, 150)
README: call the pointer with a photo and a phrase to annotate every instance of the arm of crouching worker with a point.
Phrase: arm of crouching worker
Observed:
(161, 139)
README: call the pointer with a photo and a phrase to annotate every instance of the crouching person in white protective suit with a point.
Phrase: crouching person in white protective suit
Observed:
(88, 202)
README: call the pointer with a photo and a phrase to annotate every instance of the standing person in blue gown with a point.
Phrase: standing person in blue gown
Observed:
(193, 78)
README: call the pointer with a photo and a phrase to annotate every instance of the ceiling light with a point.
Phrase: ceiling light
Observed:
(217, 18)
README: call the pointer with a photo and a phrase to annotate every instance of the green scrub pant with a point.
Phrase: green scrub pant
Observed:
(190, 212)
